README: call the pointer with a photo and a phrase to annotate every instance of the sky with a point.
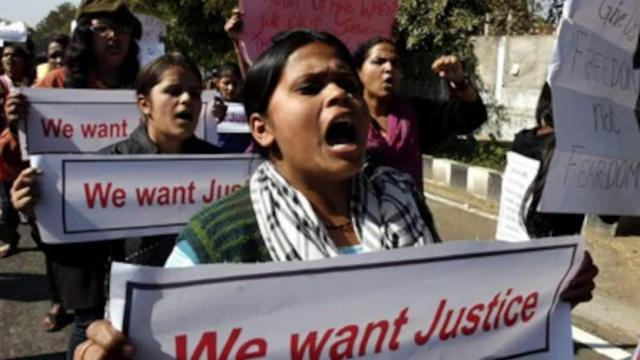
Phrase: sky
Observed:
(29, 11)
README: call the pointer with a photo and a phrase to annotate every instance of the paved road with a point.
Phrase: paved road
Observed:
(23, 302)
(24, 299)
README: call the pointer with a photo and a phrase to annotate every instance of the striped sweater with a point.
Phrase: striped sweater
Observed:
(227, 231)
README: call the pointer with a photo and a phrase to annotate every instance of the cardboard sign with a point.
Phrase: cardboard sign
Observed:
(353, 21)
(449, 301)
(100, 197)
(236, 120)
(595, 90)
(84, 121)
(518, 176)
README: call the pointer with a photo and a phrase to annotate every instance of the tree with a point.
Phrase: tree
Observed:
(194, 27)
(554, 12)
(424, 29)
(427, 29)
(57, 21)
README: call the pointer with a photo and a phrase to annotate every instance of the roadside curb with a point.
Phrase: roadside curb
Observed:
(483, 183)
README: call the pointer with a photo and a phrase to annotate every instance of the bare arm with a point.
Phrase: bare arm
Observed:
(233, 27)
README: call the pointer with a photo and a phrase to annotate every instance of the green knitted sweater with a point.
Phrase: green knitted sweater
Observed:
(227, 231)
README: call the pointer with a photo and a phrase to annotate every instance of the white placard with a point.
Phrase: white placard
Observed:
(235, 121)
(516, 180)
(595, 90)
(151, 42)
(616, 181)
(398, 304)
(13, 31)
(87, 120)
(100, 197)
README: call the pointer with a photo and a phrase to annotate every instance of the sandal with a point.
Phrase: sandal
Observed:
(56, 319)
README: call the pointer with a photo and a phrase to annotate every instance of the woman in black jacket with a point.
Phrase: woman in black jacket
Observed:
(168, 95)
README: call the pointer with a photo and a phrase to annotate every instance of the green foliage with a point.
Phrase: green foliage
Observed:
(425, 29)
(554, 13)
(491, 153)
(194, 27)
(58, 21)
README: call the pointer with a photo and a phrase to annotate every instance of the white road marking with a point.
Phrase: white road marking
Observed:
(595, 343)
(599, 345)
(464, 207)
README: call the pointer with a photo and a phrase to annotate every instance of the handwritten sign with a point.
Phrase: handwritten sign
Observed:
(377, 305)
(353, 21)
(101, 197)
(151, 42)
(595, 89)
(83, 121)
(518, 176)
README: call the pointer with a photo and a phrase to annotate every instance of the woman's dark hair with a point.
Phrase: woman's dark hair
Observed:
(228, 70)
(544, 108)
(19, 50)
(264, 75)
(151, 74)
(80, 58)
(534, 223)
(62, 39)
(361, 53)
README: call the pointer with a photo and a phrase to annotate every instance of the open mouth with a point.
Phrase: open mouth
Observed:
(388, 81)
(184, 116)
(113, 47)
(341, 131)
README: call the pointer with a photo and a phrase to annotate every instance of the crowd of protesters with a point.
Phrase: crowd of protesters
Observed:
(342, 152)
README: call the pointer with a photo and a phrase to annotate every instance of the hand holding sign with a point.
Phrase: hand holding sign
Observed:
(581, 287)
(219, 110)
(24, 191)
(103, 342)
(16, 108)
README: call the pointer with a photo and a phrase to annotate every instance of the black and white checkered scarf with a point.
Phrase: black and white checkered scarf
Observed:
(384, 215)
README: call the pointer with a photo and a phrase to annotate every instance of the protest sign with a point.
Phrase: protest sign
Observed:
(100, 197)
(596, 164)
(13, 31)
(448, 301)
(353, 21)
(517, 178)
(235, 121)
(151, 42)
(87, 120)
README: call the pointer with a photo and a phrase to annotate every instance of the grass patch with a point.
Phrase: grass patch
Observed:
(486, 153)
